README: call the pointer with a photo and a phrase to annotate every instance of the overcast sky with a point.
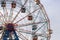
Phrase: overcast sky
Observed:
(53, 10)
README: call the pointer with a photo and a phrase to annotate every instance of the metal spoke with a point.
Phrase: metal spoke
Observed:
(22, 36)
(1, 21)
(39, 28)
(27, 24)
(11, 14)
(40, 34)
(16, 16)
(26, 16)
(43, 11)
(25, 31)
(35, 10)
(18, 12)
(25, 2)
(1, 16)
(36, 17)
(21, 19)
(5, 13)
(30, 32)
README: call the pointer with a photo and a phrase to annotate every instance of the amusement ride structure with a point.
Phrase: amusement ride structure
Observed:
(24, 20)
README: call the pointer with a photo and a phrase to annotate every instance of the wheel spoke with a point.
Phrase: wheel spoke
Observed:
(25, 31)
(16, 16)
(25, 2)
(35, 10)
(30, 32)
(43, 11)
(42, 35)
(22, 36)
(21, 19)
(27, 24)
(18, 13)
(5, 13)
(1, 14)
(26, 16)
(39, 28)
(1, 18)
(11, 14)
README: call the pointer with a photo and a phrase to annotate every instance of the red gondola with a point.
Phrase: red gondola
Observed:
(35, 38)
(30, 17)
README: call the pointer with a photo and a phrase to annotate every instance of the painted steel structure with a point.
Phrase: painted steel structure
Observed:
(24, 20)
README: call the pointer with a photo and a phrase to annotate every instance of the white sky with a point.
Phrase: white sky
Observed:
(53, 10)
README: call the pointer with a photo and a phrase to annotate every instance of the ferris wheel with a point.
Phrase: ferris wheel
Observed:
(24, 20)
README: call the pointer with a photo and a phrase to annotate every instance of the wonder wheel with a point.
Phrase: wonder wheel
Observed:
(24, 20)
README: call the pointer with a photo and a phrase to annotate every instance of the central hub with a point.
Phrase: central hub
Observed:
(10, 26)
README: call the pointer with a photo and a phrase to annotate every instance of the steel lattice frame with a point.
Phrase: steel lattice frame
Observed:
(23, 25)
